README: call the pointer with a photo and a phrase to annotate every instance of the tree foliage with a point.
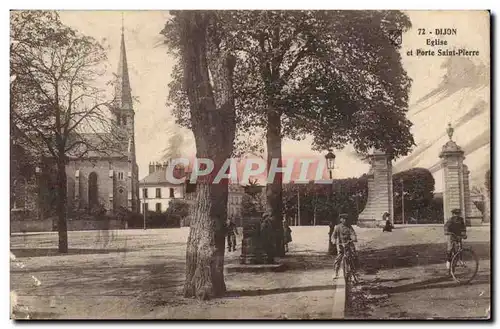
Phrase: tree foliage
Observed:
(332, 74)
(418, 188)
(321, 204)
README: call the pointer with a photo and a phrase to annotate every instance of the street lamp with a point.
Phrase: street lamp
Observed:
(330, 162)
(402, 201)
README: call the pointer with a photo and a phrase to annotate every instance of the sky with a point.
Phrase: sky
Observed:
(150, 67)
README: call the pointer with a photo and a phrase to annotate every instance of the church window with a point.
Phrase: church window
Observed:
(158, 193)
(158, 207)
(172, 193)
(118, 117)
(120, 175)
(145, 193)
(121, 190)
(93, 196)
(124, 120)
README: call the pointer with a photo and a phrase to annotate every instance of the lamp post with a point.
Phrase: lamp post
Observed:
(330, 164)
(402, 201)
(144, 213)
(38, 171)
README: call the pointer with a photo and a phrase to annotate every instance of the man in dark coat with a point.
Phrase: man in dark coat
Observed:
(456, 230)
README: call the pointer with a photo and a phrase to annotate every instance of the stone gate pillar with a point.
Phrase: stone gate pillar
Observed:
(380, 194)
(455, 185)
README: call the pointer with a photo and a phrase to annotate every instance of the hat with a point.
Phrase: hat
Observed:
(456, 211)
(344, 216)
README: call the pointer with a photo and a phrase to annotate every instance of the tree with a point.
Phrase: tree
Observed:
(55, 101)
(207, 68)
(418, 189)
(335, 75)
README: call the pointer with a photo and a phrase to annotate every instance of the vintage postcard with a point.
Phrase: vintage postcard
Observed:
(263, 164)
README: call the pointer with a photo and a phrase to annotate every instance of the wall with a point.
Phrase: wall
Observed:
(109, 197)
(152, 200)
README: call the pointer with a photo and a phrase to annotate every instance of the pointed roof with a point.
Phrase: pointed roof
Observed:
(123, 92)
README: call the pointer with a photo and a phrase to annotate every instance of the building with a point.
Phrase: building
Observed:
(156, 192)
(109, 179)
(234, 199)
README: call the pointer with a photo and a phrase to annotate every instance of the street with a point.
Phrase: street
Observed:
(139, 275)
(404, 276)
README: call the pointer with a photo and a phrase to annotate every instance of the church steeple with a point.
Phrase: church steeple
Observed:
(123, 92)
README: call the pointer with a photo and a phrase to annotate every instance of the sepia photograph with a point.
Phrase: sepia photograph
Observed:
(250, 165)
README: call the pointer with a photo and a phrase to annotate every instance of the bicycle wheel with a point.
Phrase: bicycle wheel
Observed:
(345, 267)
(352, 271)
(464, 266)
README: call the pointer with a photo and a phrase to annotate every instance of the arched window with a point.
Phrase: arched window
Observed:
(93, 190)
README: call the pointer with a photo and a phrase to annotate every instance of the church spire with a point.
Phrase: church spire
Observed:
(123, 92)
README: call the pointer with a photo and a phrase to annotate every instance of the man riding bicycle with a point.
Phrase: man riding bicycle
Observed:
(456, 230)
(343, 236)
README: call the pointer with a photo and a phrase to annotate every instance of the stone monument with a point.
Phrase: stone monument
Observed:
(251, 247)
(380, 194)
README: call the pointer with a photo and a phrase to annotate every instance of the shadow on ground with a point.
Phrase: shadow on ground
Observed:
(45, 252)
(304, 262)
(412, 255)
(433, 283)
(263, 292)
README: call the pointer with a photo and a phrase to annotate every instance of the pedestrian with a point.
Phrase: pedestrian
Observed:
(232, 231)
(287, 234)
(267, 237)
(388, 225)
(343, 236)
(456, 230)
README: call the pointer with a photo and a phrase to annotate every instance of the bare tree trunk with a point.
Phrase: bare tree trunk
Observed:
(274, 191)
(213, 123)
(61, 206)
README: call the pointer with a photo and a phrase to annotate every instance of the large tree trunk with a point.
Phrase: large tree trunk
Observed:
(62, 226)
(213, 124)
(274, 192)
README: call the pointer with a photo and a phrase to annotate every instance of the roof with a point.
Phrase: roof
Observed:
(100, 145)
(159, 177)
(122, 88)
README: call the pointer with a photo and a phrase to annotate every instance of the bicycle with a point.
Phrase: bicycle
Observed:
(463, 259)
(348, 264)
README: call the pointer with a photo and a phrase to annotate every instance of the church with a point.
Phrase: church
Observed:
(110, 179)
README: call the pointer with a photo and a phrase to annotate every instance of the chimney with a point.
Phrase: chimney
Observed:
(151, 168)
(158, 166)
